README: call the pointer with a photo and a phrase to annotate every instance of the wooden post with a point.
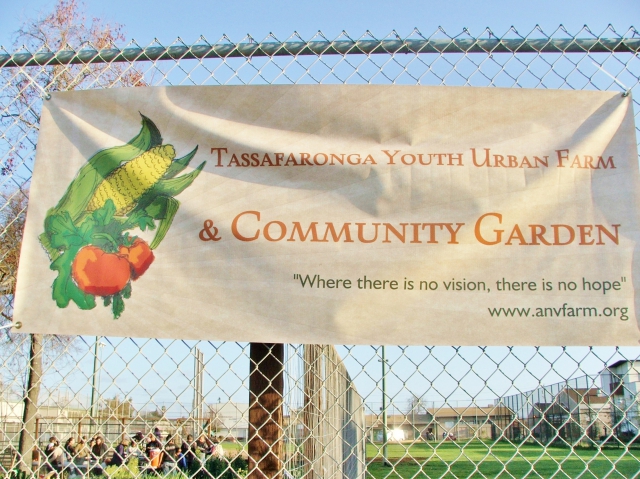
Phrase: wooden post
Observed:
(30, 432)
(266, 391)
(312, 412)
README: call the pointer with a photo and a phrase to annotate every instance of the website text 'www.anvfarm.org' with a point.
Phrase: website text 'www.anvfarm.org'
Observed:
(564, 311)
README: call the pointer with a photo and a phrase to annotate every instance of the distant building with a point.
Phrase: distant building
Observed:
(573, 416)
(586, 409)
(440, 422)
(229, 420)
(11, 411)
(621, 382)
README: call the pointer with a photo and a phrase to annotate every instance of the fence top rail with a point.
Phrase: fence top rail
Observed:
(320, 47)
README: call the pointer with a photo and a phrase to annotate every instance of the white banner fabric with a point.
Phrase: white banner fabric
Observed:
(335, 214)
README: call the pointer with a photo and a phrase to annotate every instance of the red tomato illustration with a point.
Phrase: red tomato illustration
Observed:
(139, 255)
(100, 273)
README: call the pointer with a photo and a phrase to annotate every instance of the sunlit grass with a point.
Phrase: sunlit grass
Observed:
(477, 459)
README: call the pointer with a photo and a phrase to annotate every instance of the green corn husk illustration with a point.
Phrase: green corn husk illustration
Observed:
(118, 189)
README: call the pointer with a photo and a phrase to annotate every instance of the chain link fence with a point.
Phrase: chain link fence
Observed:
(184, 408)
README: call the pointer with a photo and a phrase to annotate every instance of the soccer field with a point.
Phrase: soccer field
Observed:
(500, 460)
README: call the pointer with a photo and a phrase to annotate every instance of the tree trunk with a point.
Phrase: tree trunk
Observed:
(266, 390)
(28, 432)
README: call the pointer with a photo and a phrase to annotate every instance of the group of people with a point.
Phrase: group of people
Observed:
(183, 453)
(74, 453)
(150, 450)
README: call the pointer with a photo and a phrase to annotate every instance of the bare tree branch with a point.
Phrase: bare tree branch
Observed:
(63, 28)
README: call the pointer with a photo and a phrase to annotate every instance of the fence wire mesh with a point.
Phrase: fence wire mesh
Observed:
(193, 408)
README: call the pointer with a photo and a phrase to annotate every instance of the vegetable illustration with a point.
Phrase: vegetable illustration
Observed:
(139, 256)
(99, 273)
(127, 183)
(88, 235)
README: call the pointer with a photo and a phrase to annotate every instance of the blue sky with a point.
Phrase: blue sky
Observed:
(188, 19)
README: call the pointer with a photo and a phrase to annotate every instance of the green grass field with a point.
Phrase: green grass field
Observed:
(233, 448)
(477, 459)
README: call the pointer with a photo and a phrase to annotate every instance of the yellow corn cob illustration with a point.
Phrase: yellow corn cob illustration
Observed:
(127, 183)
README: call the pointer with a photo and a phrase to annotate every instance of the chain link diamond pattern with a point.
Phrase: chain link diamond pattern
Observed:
(345, 411)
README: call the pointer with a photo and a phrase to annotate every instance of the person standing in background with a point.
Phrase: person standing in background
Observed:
(99, 452)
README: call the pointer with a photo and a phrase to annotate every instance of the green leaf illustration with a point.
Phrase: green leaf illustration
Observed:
(117, 306)
(180, 164)
(64, 288)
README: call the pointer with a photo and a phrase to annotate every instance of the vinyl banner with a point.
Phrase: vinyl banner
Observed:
(335, 214)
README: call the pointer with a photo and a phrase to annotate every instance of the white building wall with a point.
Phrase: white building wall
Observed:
(623, 379)
(11, 411)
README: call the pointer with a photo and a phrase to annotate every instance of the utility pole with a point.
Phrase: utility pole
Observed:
(95, 383)
(385, 456)
(198, 396)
